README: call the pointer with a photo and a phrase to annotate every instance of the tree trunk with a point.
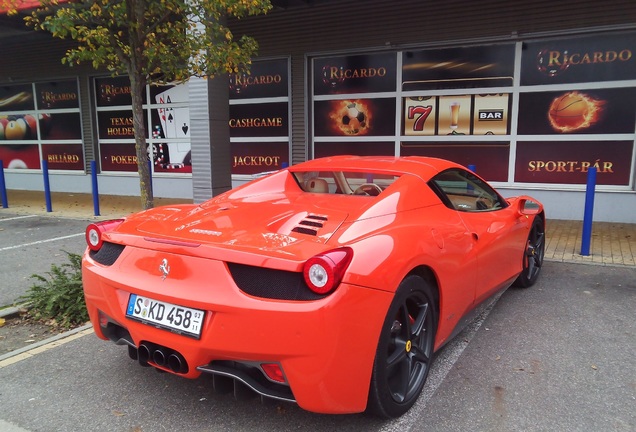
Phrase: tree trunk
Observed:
(137, 89)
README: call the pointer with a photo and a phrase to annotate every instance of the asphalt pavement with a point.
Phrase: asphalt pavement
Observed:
(560, 356)
(30, 244)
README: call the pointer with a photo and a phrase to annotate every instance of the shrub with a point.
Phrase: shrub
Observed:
(59, 296)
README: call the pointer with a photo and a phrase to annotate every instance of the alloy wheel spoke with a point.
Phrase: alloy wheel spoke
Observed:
(405, 320)
(418, 325)
(397, 356)
(420, 356)
(402, 388)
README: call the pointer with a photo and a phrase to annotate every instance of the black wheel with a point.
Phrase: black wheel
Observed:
(405, 350)
(533, 255)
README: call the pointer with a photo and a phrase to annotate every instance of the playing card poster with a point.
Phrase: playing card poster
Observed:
(462, 67)
(489, 159)
(567, 162)
(266, 79)
(172, 157)
(594, 111)
(585, 59)
(171, 116)
(369, 73)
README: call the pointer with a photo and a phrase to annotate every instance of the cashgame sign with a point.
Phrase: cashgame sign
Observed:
(586, 59)
(259, 120)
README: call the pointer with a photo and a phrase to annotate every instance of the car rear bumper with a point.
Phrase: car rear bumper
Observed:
(325, 347)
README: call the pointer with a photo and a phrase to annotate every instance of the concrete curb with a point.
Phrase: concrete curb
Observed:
(48, 341)
(12, 311)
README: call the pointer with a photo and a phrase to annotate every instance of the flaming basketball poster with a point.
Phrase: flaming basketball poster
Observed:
(598, 111)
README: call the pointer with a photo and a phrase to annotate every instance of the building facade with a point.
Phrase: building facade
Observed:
(532, 94)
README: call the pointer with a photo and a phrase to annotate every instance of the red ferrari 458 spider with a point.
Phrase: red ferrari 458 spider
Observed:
(330, 283)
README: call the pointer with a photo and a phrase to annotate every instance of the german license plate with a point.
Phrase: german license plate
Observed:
(178, 319)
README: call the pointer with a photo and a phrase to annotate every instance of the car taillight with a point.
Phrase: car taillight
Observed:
(274, 372)
(95, 230)
(324, 272)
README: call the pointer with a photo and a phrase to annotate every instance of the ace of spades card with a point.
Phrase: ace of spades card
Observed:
(175, 121)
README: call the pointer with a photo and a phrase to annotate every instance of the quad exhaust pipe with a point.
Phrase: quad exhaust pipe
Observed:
(149, 354)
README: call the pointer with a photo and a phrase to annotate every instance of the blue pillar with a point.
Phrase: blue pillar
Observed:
(95, 188)
(150, 174)
(472, 167)
(3, 186)
(47, 186)
(589, 212)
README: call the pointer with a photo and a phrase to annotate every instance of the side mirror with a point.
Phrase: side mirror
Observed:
(528, 206)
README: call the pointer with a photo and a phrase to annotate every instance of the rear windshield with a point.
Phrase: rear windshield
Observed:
(344, 182)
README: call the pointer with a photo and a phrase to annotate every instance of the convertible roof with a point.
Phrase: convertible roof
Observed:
(424, 167)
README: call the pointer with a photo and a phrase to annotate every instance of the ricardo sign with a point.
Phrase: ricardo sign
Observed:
(597, 58)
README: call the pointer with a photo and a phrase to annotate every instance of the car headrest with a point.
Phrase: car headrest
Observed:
(316, 185)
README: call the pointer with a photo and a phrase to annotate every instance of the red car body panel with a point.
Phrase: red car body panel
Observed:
(326, 346)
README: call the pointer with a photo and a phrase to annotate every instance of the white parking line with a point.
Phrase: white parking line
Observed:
(17, 217)
(10, 427)
(40, 242)
(442, 365)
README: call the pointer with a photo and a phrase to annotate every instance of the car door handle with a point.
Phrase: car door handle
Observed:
(475, 236)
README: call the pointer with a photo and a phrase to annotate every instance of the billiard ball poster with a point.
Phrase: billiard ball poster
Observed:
(41, 121)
